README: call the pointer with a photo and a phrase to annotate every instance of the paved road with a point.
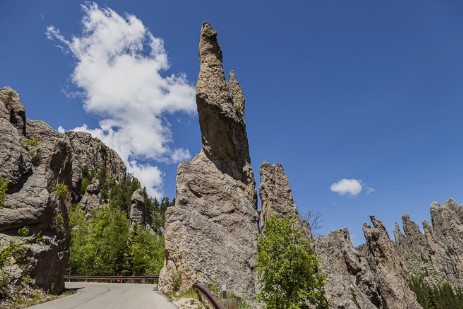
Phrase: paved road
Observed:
(109, 296)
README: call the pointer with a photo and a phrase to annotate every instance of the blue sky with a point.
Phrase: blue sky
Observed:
(363, 90)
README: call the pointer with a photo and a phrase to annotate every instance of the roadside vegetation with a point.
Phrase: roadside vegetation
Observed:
(102, 241)
(288, 268)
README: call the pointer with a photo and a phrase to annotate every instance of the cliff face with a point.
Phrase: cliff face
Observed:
(37, 158)
(211, 232)
(34, 159)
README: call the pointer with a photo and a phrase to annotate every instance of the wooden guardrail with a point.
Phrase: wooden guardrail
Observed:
(112, 278)
(211, 298)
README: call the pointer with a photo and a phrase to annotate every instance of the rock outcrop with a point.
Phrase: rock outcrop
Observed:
(437, 254)
(137, 208)
(91, 198)
(211, 232)
(350, 281)
(31, 201)
(388, 267)
(93, 157)
(35, 159)
(276, 196)
(15, 161)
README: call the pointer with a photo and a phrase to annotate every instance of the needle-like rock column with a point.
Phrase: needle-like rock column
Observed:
(211, 232)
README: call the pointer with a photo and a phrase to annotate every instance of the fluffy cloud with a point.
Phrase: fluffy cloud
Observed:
(118, 69)
(351, 187)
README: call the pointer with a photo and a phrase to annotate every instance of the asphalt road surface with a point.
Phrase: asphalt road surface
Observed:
(109, 296)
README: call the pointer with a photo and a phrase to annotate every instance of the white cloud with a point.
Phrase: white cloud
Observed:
(118, 69)
(351, 187)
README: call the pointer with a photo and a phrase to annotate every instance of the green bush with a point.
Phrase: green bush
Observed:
(12, 254)
(36, 158)
(62, 191)
(31, 142)
(24, 231)
(31, 145)
(146, 252)
(176, 281)
(288, 268)
(3, 188)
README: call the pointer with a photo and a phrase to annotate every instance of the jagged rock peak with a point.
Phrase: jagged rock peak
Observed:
(350, 282)
(388, 267)
(16, 111)
(411, 229)
(220, 109)
(276, 196)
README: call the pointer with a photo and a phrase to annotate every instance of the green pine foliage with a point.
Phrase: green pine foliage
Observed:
(120, 194)
(442, 296)
(146, 252)
(3, 188)
(98, 245)
(288, 268)
(62, 191)
(106, 244)
(87, 177)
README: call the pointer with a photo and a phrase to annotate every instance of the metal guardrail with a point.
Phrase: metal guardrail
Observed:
(112, 278)
(211, 298)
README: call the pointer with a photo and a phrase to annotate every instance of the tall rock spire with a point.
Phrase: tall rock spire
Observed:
(223, 129)
(211, 232)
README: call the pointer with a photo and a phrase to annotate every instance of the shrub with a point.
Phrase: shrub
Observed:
(176, 281)
(288, 268)
(31, 142)
(24, 231)
(62, 191)
(3, 188)
(36, 158)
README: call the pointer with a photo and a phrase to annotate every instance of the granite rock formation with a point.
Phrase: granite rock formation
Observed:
(350, 282)
(35, 158)
(91, 198)
(437, 253)
(137, 208)
(371, 278)
(211, 232)
(31, 200)
(94, 157)
(276, 196)
(388, 267)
